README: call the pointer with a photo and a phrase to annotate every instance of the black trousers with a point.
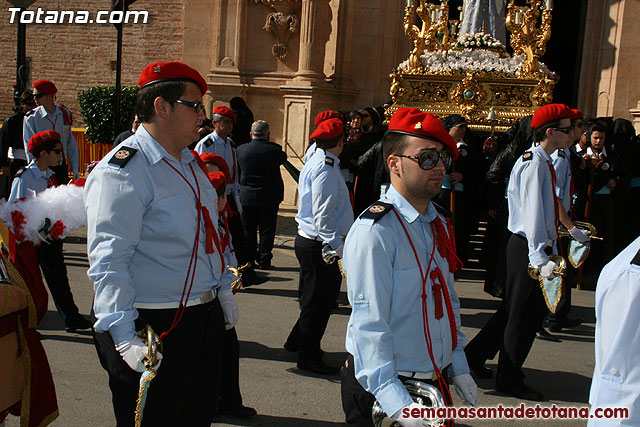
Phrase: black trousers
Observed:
(261, 218)
(185, 390)
(51, 260)
(320, 287)
(237, 233)
(486, 344)
(357, 403)
(525, 308)
(230, 397)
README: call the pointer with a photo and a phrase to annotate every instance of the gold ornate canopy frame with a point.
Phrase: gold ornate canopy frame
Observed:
(506, 90)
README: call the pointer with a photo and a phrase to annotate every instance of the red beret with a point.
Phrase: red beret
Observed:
(550, 113)
(575, 114)
(218, 160)
(411, 121)
(329, 114)
(170, 71)
(45, 86)
(217, 179)
(328, 130)
(41, 137)
(225, 111)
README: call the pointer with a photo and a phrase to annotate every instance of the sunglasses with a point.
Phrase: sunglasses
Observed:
(429, 159)
(566, 130)
(56, 150)
(39, 95)
(197, 106)
(366, 115)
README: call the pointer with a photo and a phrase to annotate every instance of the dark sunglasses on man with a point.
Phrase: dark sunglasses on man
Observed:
(566, 130)
(39, 95)
(197, 106)
(428, 159)
(55, 150)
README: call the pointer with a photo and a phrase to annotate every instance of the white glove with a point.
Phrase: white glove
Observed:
(134, 351)
(76, 174)
(409, 421)
(579, 234)
(546, 270)
(466, 388)
(229, 308)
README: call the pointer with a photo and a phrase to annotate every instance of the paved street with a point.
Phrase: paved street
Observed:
(270, 382)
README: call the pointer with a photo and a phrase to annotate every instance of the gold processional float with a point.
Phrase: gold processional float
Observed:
(472, 74)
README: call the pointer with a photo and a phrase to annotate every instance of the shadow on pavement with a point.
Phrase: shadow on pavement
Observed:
(270, 420)
(76, 239)
(554, 385)
(80, 337)
(479, 304)
(477, 320)
(287, 293)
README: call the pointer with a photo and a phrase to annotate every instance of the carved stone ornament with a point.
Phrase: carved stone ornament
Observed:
(282, 22)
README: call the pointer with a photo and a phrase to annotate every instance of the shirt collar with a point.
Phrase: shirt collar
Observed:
(35, 170)
(43, 113)
(406, 209)
(538, 149)
(216, 137)
(591, 152)
(156, 152)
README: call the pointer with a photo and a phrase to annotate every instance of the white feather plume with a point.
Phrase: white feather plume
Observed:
(63, 203)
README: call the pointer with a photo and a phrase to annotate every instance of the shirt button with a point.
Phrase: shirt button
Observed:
(361, 296)
(613, 372)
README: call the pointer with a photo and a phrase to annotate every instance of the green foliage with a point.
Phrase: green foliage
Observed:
(97, 106)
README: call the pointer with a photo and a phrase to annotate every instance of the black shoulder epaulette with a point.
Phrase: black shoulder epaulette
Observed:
(442, 210)
(561, 153)
(636, 259)
(20, 172)
(528, 155)
(377, 211)
(122, 156)
(30, 112)
(328, 161)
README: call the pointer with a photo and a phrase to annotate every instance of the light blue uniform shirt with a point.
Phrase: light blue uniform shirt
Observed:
(32, 179)
(531, 204)
(310, 152)
(141, 225)
(385, 332)
(616, 377)
(212, 143)
(39, 120)
(563, 176)
(324, 209)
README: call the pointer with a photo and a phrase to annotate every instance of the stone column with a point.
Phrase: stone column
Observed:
(635, 113)
(309, 67)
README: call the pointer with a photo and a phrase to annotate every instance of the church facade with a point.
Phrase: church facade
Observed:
(291, 59)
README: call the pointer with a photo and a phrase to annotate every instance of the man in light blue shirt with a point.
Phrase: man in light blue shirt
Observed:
(324, 217)
(155, 256)
(399, 253)
(616, 377)
(533, 220)
(37, 176)
(219, 143)
(51, 116)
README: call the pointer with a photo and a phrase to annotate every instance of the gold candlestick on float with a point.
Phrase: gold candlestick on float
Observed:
(526, 38)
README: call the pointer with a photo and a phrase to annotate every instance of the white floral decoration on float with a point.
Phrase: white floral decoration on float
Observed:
(479, 40)
(52, 214)
(475, 52)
